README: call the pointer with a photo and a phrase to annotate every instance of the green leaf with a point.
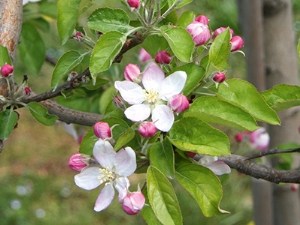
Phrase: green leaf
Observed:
(106, 19)
(194, 75)
(203, 185)
(282, 96)
(66, 63)
(149, 216)
(120, 126)
(162, 198)
(180, 42)
(192, 134)
(124, 138)
(8, 121)
(87, 143)
(186, 18)
(162, 157)
(32, 49)
(154, 43)
(40, 113)
(244, 95)
(214, 110)
(67, 14)
(183, 3)
(4, 56)
(220, 50)
(106, 98)
(106, 49)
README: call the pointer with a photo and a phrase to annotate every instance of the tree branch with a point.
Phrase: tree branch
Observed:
(271, 152)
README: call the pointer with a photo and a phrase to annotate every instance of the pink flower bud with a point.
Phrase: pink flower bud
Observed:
(236, 43)
(259, 139)
(78, 162)
(294, 187)
(134, 4)
(147, 129)
(199, 32)
(133, 203)
(202, 19)
(27, 90)
(163, 57)
(6, 70)
(239, 137)
(132, 72)
(221, 30)
(191, 154)
(78, 36)
(144, 56)
(102, 130)
(179, 103)
(219, 77)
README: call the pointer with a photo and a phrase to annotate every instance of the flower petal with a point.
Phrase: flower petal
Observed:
(125, 163)
(131, 92)
(88, 178)
(172, 85)
(104, 154)
(122, 185)
(218, 167)
(152, 77)
(163, 117)
(138, 112)
(105, 197)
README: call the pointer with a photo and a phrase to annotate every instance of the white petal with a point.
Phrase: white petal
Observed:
(125, 162)
(105, 197)
(104, 154)
(163, 117)
(218, 167)
(122, 185)
(172, 85)
(152, 77)
(88, 178)
(131, 92)
(138, 112)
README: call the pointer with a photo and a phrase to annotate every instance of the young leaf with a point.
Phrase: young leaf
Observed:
(214, 110)
(192, 134)
(8, 121)
(4, 56)
(162, 198)
(105, 20)
(65, 64)
(282, 96)
(106, 49)
(203, 185)
(162, 157)
(87, 143)
(180, 42)
(244, 95)
(154, 43)
(40, 113)
(149, 216)
(67, 14)
(124, 138)
(186, 18)
(220, 50)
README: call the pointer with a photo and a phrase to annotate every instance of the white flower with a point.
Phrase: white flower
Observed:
(113, 171)
(152, 98)
(216, 166)
(259, 139)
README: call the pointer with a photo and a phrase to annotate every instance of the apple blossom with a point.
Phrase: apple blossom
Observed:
(216, 166)
(199, 31)
(102, 130)
(237, 43)
(134, 4)
(259, 139)
(133, 202)
(147, 129)
(219, 77)
(132, 73)
(202, 19)
(112, 170)
(78, 161)
(221, 30)
(163, 57)
(27, 90)
(239, 137)
(6, 70)
(144, 56)
(179, 103)
(152, 98)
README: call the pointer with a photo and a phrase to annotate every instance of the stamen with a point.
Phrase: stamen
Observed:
(152, 96)
(106, 175)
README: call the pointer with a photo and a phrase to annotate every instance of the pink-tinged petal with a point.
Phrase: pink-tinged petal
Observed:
(152, 77)
(104, 153)
(122, 185)
(163, 117)
(125, 162)
(138, 112)
(105, 197)
(218, 168)
(88, 178)
(131, 92)
(172, 85)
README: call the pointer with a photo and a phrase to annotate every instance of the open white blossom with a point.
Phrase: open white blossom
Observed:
(113, 170)
(152, 97)
(216, 166)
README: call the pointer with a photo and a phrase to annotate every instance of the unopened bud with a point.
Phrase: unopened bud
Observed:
(144, 56)
(202, 19)
(147, 129)
(78, 162)
(132, 73)
(236, 43)
(259, 139)
(199, 32)
(221, 30)
(239, 137)
(6, 70)
(27, 90)
(191, 154)
(219, 77)
(133, 203)
(163, 57)
(179, 103)
(102, 130)
(294, 187)
(78, 36)
(134, 4)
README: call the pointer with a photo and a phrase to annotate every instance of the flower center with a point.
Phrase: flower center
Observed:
(106, 175)
(152, 96)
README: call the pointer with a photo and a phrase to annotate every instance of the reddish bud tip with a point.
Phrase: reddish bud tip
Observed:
(179, 103)
(147, 129)
(219, 77)
(78, 161)
(163, 57)
(102, 130)
(135, 4)
(221, 30)
(6, 70)
(78, 36)
(202, 19)
(191, 154)
(199, 32)
(239, 137)
(27, 90)
(144, 56)
(132, 72)
(236, 43)
(133, 203)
